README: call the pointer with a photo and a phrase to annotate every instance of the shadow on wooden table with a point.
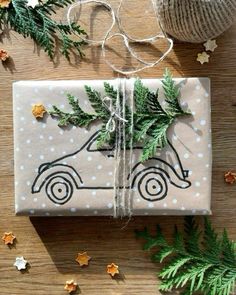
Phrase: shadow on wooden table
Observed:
(105, 239)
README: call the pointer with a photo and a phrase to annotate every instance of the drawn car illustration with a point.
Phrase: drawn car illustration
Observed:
(79, 171)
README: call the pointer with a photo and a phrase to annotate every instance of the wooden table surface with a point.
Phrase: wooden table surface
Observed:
(51, 244)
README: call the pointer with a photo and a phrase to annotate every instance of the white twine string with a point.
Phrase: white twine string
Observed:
(123, 202)
(111, 124)
(116, 190)
(126, 38)
(130, 197)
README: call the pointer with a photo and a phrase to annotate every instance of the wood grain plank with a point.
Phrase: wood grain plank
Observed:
(51, 244)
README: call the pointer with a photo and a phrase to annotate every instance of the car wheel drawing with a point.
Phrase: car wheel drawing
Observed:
(59, 188)
(61, 177)
(152, 184)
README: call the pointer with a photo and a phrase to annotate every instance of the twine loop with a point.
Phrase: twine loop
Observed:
(111, 124)
(124, 35)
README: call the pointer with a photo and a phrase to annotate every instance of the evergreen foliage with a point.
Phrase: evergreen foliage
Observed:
(194, 262)
(151, 121)
(38, 24)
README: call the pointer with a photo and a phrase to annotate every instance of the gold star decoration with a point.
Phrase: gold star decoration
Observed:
(70, 286)
(8, 238)
(4, 3)
(112, 269)
(3, 55)
(210, 45)
(203, 57)
(230, 177)
(83, 259)
(38, 110)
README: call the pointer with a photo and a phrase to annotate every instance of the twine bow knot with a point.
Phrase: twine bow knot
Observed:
(114, 114)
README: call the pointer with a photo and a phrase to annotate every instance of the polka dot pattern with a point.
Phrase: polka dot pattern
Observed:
(42, 141)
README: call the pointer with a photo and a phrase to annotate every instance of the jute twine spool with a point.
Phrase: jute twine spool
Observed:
(196, 21)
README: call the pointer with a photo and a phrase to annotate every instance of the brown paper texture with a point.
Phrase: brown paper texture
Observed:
(85, 175)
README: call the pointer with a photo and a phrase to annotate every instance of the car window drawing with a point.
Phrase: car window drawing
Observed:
(61, 177)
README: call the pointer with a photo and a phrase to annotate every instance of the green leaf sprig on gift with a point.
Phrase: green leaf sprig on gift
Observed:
(37, 23)
(151, 121)
(193, 264)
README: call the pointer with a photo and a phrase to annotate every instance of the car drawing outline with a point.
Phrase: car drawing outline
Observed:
(151, 179)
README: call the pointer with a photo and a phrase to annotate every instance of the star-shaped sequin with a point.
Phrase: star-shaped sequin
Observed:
(70, 286)
(20, 263)
(83, 258)
(203, 57)
(32, 3)
(8, 238)
(210, 45)
(38, 110)
(112, 269)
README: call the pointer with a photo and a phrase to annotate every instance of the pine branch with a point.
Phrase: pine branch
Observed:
(209, 269)
(95, 99)
(38, 25)
(172, 93)
(77, 118)
(157, 139)
(150, 120)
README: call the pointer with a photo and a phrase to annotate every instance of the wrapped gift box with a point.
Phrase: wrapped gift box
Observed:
(46, 154)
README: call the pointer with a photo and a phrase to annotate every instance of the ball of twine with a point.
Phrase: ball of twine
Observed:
(196, 21)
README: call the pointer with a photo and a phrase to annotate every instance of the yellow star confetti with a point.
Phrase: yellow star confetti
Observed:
(38, 110)
(112, 269)
(210, 45)
(70, 286)
(8, 238)
(203, 57)
(83, 258)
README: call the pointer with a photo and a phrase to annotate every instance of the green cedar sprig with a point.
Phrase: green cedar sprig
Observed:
(151, 121)
(77, 118)
(194, 263)
(38, 24)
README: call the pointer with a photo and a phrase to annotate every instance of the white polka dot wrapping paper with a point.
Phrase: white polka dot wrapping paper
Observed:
(65, 161)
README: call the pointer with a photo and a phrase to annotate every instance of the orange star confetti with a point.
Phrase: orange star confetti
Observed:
(8, 238)
(83, 258)
(70, 286)
(3, 55)
(230, 177)
(112, 269)
(38, 110)
(4, 3)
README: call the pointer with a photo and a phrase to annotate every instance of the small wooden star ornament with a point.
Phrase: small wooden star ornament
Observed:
(20, 263)
(83, 259)
(32, 3)
(70, 286)
(210, 45)
(8, 238)
(38, 110)
(4, 3)
(4, 55)
(230, 177)
(112, 269)
(203, 57)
